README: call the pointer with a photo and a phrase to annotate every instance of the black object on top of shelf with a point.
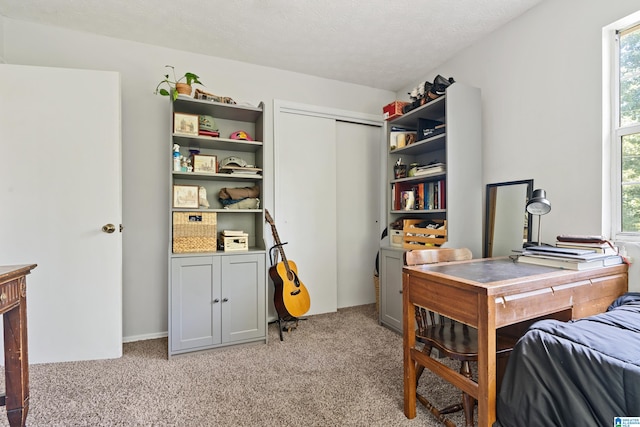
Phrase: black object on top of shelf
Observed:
(429, 128)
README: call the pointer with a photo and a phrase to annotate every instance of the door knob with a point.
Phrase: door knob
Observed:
(108, 228)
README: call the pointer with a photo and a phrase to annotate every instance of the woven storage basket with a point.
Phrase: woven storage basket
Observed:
(194, 232)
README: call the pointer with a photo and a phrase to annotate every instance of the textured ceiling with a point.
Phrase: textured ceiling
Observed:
(386, 44)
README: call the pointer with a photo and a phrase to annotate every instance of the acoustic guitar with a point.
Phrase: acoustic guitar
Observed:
(291, 297)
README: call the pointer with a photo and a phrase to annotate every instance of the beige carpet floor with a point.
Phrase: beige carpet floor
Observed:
(337, 369)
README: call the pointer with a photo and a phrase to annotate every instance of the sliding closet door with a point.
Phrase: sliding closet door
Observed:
(305, 206)
(327, 200)
(358, 203)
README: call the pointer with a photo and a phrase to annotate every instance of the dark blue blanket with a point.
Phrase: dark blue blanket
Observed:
(579, 373)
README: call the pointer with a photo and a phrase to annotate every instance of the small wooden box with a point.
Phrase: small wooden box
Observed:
(236, 243)
(393, 110)
(423, 238)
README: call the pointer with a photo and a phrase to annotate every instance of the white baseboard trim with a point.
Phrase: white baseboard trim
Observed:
(144, 337)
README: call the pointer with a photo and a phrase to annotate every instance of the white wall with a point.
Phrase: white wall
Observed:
(541, 81)
(2, 61)
(145, 131)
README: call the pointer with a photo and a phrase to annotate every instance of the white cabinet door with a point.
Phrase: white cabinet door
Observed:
(60, 182)
(243, 297)
(195, 303)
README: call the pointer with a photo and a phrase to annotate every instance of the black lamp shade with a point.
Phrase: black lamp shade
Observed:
(538, 204)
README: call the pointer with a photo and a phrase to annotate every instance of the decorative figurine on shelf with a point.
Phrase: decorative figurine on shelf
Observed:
(202, 196)
(400, 170)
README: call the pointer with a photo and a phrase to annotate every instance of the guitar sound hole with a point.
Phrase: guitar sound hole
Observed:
(296, 292)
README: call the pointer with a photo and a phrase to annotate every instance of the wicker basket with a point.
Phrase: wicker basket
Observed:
(194, 232)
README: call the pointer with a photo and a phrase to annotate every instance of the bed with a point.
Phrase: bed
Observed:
(579, 373)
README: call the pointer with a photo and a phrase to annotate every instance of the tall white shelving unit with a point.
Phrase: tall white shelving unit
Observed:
(460, 148)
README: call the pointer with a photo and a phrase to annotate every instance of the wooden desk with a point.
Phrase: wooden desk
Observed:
(489, 294)
(13, 307)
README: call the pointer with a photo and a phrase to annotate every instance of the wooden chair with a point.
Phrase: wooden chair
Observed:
(452, 339)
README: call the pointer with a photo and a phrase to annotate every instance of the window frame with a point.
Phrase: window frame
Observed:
(613, 131)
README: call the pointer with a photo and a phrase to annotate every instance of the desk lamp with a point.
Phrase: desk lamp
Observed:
(538, 205)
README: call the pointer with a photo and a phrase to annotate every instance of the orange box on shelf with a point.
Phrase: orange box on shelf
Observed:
(423, 238)
(393, 110)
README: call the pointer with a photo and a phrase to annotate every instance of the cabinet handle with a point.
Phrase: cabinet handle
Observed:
(225, 299)
(216, 300)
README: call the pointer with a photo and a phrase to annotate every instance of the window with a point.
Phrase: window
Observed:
(627, 132)
(625, 135)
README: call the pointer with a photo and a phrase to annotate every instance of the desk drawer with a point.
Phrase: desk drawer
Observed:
(10, 293)
(529, 305)
(603, 291)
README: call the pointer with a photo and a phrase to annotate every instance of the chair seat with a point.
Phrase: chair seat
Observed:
(459, 341)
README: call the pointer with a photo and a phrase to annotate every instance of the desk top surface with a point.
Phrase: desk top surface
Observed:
(489, 270)
(10, 271)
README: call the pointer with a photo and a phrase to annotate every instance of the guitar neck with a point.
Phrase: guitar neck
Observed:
(279, 245)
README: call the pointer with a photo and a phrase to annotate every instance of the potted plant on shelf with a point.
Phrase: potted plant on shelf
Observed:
(176, 86)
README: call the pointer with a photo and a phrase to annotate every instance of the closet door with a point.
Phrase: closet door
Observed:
(358, 204)
(327, 200)
(305, 206)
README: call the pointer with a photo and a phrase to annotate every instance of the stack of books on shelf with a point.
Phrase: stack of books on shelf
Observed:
(241, 170)
(572, 255)
(431, 169)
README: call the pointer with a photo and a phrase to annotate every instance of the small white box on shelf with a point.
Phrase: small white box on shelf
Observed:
(235, 241)
(396, 238)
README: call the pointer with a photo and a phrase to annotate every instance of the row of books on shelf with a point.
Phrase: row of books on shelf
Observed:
(422, 196)
(573, 253)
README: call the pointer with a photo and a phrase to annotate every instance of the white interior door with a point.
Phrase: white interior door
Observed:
(358, 196)
(60, 182)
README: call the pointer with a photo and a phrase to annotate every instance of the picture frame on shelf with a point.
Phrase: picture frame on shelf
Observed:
(186, 196)
(408, 200)
(185, 124)
(205, 163)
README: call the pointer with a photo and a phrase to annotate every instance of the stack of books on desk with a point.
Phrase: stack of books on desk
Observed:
(568, 258)
(603, 246)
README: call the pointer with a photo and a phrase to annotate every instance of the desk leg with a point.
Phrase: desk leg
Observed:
(486, 362)
(16, 363)
(408, 342)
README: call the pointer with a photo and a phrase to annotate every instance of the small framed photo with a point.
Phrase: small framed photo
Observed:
(185, 196)
(205, 163)
(185, 124)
